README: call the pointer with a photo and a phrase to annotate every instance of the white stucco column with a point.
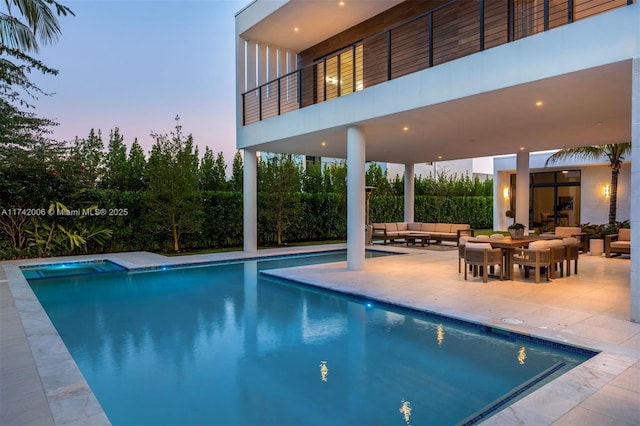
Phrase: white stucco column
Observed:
(635, 190)
(250, 200)
(522, 189)
(497, 212)
(355, 197)
(251, 66)
(409, 193)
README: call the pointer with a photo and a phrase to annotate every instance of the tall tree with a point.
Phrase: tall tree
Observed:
(335, 178)
(220, 173)
(173, 184)
(614, 152)
(279, 187)
(213, 172)
(206, 170)
(137, 179)
(312, 178)
(116, 167)
(19, 129)
(88, 153)
(236, 173)
(374, 176)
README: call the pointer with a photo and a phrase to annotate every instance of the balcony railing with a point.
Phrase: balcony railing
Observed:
(455, 29)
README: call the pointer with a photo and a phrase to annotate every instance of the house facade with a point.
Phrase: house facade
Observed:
(566, 193)
(412, 82)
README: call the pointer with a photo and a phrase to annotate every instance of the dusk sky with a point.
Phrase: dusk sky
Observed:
(136, 64)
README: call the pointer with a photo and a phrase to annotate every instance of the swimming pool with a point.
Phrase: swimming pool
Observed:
(222, 345)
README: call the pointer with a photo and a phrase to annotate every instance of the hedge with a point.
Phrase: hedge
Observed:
(316, 217)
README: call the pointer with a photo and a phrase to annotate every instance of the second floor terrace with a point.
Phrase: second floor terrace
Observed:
(404, 39)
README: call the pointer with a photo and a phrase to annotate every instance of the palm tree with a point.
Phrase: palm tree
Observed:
(35, 20)
(23, 25)
(614, 152)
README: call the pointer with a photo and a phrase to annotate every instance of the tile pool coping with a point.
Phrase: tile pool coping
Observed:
(71, 401)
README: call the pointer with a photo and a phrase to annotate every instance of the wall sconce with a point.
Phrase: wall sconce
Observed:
(506, 192)
(607, 191)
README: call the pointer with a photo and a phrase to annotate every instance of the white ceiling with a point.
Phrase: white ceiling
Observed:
(315, 21)
(582, 108)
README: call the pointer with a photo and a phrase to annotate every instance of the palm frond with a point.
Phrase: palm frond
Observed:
(61, 9)
(617, 152)
(15, 34)
(613, 152)
(40, 23)
(40, 18)
(585, 153)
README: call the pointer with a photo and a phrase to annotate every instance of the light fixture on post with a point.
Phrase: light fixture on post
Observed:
(607, 191)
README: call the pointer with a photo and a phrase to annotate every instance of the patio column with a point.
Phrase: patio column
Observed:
(522, 189)
(250, 201)
(409, 193)
(355, 198)
(635, 190)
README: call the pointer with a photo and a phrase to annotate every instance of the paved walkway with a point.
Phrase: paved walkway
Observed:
(40, 383)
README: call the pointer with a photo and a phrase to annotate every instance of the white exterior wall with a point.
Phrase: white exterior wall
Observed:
(635, 190)
(501, 180)
(594, 206)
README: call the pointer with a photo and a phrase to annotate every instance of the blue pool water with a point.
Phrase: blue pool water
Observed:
(223, 345)
(69, 269)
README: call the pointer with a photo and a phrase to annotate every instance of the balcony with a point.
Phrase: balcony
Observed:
(451, 31)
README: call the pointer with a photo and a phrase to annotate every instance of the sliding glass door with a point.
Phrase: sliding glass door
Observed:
(554, 199)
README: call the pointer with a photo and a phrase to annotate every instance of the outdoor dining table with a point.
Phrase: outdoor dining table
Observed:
(508, 246)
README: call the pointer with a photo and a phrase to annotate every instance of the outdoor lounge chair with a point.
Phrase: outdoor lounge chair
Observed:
(537, 256)
(619, 243)
(480, 256)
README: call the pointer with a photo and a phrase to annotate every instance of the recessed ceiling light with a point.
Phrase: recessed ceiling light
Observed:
(296, 29)
(405, 128)
(341, 3)
(538, 103)
(323, 143)
(522, 148)
(439, 157)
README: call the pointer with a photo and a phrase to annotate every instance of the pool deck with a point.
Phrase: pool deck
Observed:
(41, 385)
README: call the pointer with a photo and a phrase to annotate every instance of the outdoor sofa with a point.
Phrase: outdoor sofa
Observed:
(618, 243)
(426, 232)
